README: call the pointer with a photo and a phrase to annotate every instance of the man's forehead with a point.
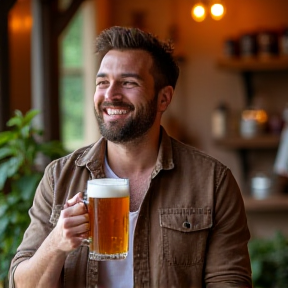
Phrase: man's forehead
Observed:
(129, 60)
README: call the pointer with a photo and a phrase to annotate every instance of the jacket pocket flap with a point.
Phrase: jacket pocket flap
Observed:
(186, 219)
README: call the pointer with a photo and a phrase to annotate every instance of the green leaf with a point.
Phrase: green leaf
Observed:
(269, 261)
(9, 168)
(29, 116)
(18, 146)
(257, 269)
(6, 151)
(3, 224)
(25, 132)
(6, 136)
(12, 199)
(3, 175)
(18, 113)
(27, 185)
(16, 120)
(4, 268)
(13, 164)
(53, 149)
(3, 208)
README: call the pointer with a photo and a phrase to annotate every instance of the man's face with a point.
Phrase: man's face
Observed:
(125, 100)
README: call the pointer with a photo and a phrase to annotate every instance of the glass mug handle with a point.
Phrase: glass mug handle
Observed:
(85, 242)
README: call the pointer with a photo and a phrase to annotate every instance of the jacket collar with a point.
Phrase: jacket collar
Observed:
(94, 155)
(165, 154)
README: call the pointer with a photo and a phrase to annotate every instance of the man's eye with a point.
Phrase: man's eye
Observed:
(102, 83)
(129, 84)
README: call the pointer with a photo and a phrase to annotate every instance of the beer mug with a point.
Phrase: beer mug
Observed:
(108, 208)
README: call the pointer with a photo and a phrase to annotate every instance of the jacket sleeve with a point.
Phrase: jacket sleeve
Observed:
(40, 225)
(227, 261)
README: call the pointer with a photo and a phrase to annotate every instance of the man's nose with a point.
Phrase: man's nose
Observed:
(113, 92)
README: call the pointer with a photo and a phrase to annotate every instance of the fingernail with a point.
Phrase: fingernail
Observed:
(85, 203)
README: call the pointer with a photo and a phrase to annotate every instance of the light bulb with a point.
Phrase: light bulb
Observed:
(198, 12)
(217, 11)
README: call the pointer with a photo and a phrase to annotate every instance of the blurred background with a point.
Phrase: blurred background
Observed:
(231, 99)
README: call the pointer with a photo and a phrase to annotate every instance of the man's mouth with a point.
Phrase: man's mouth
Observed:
(113, 111)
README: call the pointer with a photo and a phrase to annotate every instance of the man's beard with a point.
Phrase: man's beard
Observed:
(131, 128)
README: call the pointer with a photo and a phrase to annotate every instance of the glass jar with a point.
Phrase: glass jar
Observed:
(253, 122)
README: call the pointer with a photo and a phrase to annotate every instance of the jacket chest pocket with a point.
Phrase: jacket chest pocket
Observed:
(184, 234)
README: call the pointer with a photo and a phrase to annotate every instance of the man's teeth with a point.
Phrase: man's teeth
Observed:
(116, 111)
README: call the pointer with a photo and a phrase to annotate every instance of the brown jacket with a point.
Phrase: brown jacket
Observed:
(191, 231)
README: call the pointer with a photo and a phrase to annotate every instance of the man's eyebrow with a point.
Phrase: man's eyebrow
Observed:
(124, 75)
(133, 75)
(101, 75)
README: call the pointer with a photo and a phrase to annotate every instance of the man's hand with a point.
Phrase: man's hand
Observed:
(44, 268)
(73, 225)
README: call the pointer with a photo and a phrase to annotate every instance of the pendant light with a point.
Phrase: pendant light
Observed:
(217, 9)
(198, 12)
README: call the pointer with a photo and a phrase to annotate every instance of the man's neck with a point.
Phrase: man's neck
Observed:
(134, 158)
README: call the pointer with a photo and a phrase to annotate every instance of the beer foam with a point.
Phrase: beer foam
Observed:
(108, 188)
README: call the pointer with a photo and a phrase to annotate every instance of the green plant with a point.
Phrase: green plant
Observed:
(269, 261)
(19, 177)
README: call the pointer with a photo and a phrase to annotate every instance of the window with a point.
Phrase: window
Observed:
(77, 80)
(71, 84)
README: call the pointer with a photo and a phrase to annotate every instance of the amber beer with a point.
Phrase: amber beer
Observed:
(108, 206)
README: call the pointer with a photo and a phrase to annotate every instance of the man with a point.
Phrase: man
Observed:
(187, 218)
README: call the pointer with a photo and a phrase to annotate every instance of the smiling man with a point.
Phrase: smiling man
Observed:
(131, 116)
(187, 220)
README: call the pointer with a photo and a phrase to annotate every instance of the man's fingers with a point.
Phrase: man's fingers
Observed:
(79, 231)
(75, 221)
(77, 198)
(78, 209)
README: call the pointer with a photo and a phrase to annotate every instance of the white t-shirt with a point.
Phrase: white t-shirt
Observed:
(118, 273)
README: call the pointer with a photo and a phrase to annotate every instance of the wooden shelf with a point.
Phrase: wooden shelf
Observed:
(259, 142)
(272, 203)
(254, 65)
(247, 67)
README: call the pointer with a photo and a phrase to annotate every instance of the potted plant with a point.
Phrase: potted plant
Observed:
(269, 261)
(19, 176)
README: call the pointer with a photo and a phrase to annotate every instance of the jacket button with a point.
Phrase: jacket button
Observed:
(186, 225)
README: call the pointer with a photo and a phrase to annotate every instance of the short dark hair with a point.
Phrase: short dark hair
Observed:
(165, 69)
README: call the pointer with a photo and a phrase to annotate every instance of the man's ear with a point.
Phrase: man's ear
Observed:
(164, 98)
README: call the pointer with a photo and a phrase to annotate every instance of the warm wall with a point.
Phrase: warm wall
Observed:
(202, 85)
(103, 19)
(20, 24)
